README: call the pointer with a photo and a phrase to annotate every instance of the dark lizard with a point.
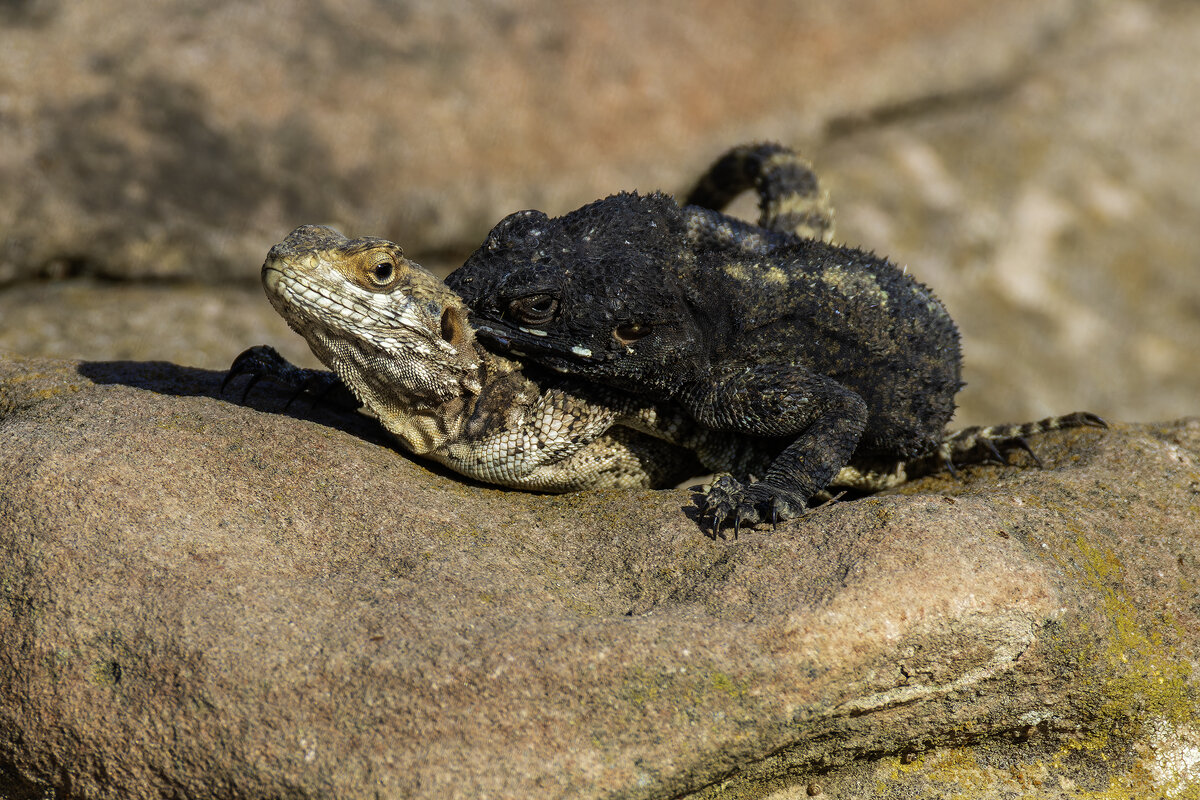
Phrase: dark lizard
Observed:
(827, 356)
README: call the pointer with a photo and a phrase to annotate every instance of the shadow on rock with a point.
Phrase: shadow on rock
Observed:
(163, 377)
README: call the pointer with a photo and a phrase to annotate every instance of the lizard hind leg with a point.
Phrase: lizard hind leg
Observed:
(994, 443)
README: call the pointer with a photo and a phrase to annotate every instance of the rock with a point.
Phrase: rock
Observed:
(203, 599)
(199, 599)
(150, 141)
(193, 324)
(1053, 212)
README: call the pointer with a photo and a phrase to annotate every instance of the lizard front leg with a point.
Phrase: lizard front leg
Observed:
(264, 361)
(819, 420)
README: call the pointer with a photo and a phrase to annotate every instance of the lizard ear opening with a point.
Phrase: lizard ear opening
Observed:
(453, 328)
(630, 332)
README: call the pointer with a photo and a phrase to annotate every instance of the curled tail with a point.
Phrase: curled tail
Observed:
(790, 198)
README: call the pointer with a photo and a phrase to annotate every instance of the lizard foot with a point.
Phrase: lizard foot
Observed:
(980, 445)
(729, 501)
(265, 361)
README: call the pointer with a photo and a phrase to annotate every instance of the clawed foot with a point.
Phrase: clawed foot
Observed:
(265, 361)
(994, 444)
(731, 502)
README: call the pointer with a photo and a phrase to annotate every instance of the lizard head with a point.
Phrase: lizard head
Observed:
(594, 292)
(388, 327)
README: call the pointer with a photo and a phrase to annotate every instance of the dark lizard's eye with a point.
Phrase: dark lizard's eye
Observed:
(536, 309)
(630, 332)
(382, 273)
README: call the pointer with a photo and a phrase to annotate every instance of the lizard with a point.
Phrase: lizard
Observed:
(398, 343)
(397, 339)
(401, 348)
(829, 356)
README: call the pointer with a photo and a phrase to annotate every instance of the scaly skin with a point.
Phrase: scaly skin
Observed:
(400, 344)
(831, 358)
(398, 339)
(790, 197)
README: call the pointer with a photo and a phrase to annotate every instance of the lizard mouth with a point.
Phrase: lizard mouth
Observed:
(528, 341)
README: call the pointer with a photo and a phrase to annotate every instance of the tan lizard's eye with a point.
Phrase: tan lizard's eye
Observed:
(536, 309)
(630, 332)
(382, 272)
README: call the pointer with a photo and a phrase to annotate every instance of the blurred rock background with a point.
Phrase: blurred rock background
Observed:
(1035, 162)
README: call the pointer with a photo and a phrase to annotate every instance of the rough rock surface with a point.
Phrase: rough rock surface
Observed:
(175, 139)
(202, 599)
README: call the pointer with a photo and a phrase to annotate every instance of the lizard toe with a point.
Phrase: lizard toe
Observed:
(746, 505)
(722, 504)
(773, 504)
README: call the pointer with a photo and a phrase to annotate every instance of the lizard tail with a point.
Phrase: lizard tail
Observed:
(790, 198)
(978, 445)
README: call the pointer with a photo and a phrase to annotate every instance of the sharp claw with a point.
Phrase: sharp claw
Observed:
(711, 522)
(1022, 443)
(300, 390)
(1093, 420)
(250, 385)
(994, 451)
(949, 465)
(228, 377)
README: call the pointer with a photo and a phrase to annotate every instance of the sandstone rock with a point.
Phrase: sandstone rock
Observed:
(144, 140)
(193, 324)
(202, 599)
(1054, 214)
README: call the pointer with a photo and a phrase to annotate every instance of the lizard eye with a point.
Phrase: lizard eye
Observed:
(630, 332)
(381, 274)
(536, 309)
